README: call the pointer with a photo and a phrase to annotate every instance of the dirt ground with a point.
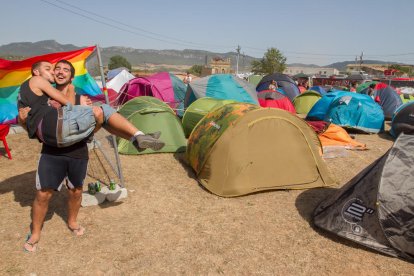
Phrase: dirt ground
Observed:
(170, 225)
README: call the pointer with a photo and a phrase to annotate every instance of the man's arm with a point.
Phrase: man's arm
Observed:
(23, 116)
(39, 83)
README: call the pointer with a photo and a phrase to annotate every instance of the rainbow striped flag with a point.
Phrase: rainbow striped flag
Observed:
(14, 73)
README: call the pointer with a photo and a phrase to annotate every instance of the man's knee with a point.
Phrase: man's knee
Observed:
(44, 195)
(75, 192)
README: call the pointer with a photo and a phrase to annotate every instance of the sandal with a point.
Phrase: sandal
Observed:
(30, 246)
(79, 231)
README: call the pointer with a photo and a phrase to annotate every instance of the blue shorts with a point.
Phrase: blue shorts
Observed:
(54, 169)
(77, 122)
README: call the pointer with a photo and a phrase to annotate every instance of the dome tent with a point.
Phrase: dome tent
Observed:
(149, 114)
(304, 102)
(241, 148)
(198, 109)
(274, 99)
(288, 85)
(349, 110)
(221, 86)
(403, 120)
(376, 207)
(164, 86)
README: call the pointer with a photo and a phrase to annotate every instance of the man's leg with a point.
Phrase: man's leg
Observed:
(74, 203)
(39, 210)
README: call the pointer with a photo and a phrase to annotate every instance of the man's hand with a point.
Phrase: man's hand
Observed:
(54, 104)
(23, 116)
(84, 100)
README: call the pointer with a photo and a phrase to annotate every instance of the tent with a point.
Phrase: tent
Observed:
(114, 72)
(119, 80)
(318, 89)
(221, 86)
(403, 120)
(198, 109)
(364, 86)
(349, 110)
(274, 99)
(241, 148)
(376, 207)
(405, 98)
(149, 114)
(388, 98)
(164, 86)
(333, 135)
(255, 79)
(283, 81)
(305, 101)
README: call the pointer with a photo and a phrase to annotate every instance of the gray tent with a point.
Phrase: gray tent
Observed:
(376, 207)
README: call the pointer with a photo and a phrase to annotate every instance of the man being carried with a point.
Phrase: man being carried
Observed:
(70, 123)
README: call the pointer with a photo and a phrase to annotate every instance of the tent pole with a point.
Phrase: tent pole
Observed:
(118, 161)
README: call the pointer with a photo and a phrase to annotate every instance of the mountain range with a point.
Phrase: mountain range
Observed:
(142, 57)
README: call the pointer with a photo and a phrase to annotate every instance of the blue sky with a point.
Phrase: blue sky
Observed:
(318, 31)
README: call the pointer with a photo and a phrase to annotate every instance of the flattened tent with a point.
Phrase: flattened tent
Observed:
(241, 148)
(164, 86)
(198, 109)
(274, 99)
(403, 120)
(349, 110)
(376, 207)
(149, 114)
(221, 86)
(283, 81)
(304, 102)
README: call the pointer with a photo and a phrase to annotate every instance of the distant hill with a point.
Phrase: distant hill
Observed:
(140, 57)
(136, 57)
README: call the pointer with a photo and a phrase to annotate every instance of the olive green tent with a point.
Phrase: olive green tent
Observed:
(241, 148)
(196, 111)
(304, 102)
(150, 114)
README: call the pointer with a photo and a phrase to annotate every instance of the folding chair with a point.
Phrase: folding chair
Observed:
(4, 130)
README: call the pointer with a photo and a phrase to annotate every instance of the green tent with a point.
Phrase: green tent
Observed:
(304, 102)
(255, 79)
(150, 114)
(198, 109)
(241, 148)
(407, 98)
(365, 85)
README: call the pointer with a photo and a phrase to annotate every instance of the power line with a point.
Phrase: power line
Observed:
(149, 34)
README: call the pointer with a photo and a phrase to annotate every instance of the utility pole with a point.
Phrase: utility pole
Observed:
(238, 56)
(360, 61)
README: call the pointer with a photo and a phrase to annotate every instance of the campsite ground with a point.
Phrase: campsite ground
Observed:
(171, 225)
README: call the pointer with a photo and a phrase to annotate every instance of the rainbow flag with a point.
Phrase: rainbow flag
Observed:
(14, 73)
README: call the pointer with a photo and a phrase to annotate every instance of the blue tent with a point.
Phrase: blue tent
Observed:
(318, 89)
(387, 97)
(221, 86)
(289, 87)
(403, 120)
(349, 110)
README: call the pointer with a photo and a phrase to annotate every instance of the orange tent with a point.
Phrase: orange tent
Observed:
(335, 135)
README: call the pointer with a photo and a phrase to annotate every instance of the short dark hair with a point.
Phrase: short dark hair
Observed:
(36, 65)
(72, 69)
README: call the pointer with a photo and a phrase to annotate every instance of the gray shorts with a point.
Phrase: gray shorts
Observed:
(77, 122)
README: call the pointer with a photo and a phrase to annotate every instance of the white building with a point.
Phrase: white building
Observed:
(311, 71)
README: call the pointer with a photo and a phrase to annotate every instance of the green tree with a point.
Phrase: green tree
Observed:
(273, 61)
(118, 61)
(195, 70)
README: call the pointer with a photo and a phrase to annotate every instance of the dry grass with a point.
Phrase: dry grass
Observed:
(171, 225)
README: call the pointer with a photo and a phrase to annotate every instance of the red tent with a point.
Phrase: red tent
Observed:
(270, 98)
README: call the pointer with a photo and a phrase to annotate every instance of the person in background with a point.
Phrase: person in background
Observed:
(273, 85)
(187, 79)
